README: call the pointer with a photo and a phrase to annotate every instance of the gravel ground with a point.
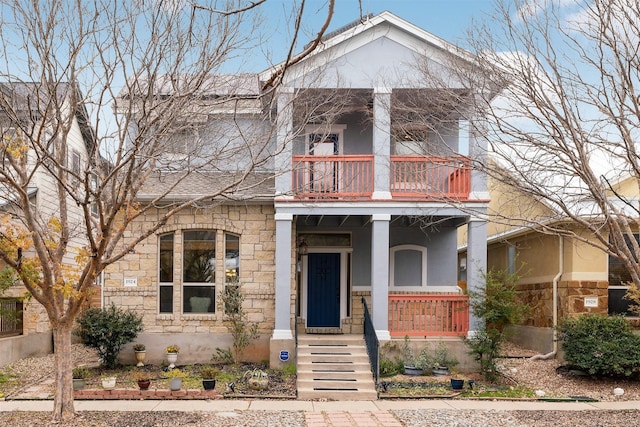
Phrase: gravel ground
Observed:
(539, 375)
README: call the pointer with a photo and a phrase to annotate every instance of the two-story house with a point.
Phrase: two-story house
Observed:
(28, 122)
(370, 177)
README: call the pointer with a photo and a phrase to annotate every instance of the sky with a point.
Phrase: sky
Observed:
(447, 19)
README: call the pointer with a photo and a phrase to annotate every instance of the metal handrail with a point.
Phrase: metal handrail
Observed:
(373, 345)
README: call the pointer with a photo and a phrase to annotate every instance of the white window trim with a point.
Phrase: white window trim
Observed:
(326, 130)
(392, 252)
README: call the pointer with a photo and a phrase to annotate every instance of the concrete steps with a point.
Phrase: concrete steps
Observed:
(334, 367)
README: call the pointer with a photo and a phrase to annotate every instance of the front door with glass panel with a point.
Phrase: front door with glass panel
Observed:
(323, 290)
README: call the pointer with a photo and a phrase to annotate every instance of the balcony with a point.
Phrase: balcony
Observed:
(351, 177)
(428, 315)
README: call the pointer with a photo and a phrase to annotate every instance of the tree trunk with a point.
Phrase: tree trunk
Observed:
(63, 408)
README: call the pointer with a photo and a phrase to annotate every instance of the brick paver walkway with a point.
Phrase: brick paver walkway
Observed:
(351, 419)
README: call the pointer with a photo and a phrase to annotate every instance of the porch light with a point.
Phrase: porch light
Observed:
(303, 249)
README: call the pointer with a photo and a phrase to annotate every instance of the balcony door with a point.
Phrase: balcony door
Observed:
(324, 173)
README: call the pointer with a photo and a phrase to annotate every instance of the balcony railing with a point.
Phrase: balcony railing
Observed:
(333, 177)
(428, 315)
(431, 177)
(352, 177)
(10, 317)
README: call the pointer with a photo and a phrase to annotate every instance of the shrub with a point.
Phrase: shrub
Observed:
(497, 305)
(139, 347)
(600, 345)
(209, 372)
(81, 372)
(107, 330)
(242, 331)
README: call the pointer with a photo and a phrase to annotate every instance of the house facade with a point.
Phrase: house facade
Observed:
(23, 114)
(560, 277)
(368, 180)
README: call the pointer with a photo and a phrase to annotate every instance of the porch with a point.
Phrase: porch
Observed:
(351, 177)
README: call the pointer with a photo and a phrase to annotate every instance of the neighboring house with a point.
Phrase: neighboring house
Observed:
(584, 279)
(359, 203)
(23, 111)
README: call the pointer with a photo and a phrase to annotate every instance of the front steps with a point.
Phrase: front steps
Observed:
(334, 367)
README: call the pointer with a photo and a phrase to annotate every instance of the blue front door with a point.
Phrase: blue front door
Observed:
(323, 287)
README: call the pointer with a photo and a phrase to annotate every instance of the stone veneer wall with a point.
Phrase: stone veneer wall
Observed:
(571, 295)
(256, 227)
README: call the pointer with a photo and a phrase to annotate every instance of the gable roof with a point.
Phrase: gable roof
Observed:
(419, 37)
(30, 99)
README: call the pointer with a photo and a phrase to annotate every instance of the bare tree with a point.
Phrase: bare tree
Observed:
(553, 87)
(70, 65)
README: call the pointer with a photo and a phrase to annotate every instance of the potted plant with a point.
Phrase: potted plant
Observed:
(441, 361)
(209, 375)
(172, 355)
(176, 376)
(141, 353)
(108, 382)
(80, 374)
(413, 365)
(143, 379)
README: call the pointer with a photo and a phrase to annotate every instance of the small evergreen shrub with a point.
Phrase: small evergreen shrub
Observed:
(107, 330)
(498, 306)
(601, 345)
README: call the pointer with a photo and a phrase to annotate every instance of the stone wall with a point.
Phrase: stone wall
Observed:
(571, 300)
(256, 227)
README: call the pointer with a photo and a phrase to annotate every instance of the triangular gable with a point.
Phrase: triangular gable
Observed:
(382, 50)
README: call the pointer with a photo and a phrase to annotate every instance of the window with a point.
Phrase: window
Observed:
(232, 271)
(75, 162)
(408, 267)
(166, 273)
(198, 271)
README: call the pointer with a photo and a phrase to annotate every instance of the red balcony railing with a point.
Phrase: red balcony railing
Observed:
(430, 177)
(352, 177)
(428, 315)
(333, 177)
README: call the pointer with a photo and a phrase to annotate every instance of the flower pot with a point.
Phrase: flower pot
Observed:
(109, 383)
(412, 370)
(172, 358)
(175, 384)
(140, 356)
(440, 371)
(78, 383)
(144, 384)
(457, 384)
(208, 384)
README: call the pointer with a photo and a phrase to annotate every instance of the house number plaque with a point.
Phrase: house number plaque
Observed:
(591, 301)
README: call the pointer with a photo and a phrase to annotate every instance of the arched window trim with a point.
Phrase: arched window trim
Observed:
(392, 253)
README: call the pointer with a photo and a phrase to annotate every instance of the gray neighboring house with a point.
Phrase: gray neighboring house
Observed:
(23, 111)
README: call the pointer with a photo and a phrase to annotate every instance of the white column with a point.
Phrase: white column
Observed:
(476, 262)
(282, 329)
(380, 275)
(382, 142)
(284, 144)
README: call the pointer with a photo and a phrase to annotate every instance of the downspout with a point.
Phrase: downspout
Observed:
(556, 278)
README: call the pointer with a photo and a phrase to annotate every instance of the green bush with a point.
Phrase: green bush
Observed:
(600, 345)
(107, 330)
(498, 306)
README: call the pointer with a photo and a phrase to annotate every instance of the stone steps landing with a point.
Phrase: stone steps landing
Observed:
(334, 367)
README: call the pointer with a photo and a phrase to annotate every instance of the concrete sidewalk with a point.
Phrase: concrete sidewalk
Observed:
(314, 406)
